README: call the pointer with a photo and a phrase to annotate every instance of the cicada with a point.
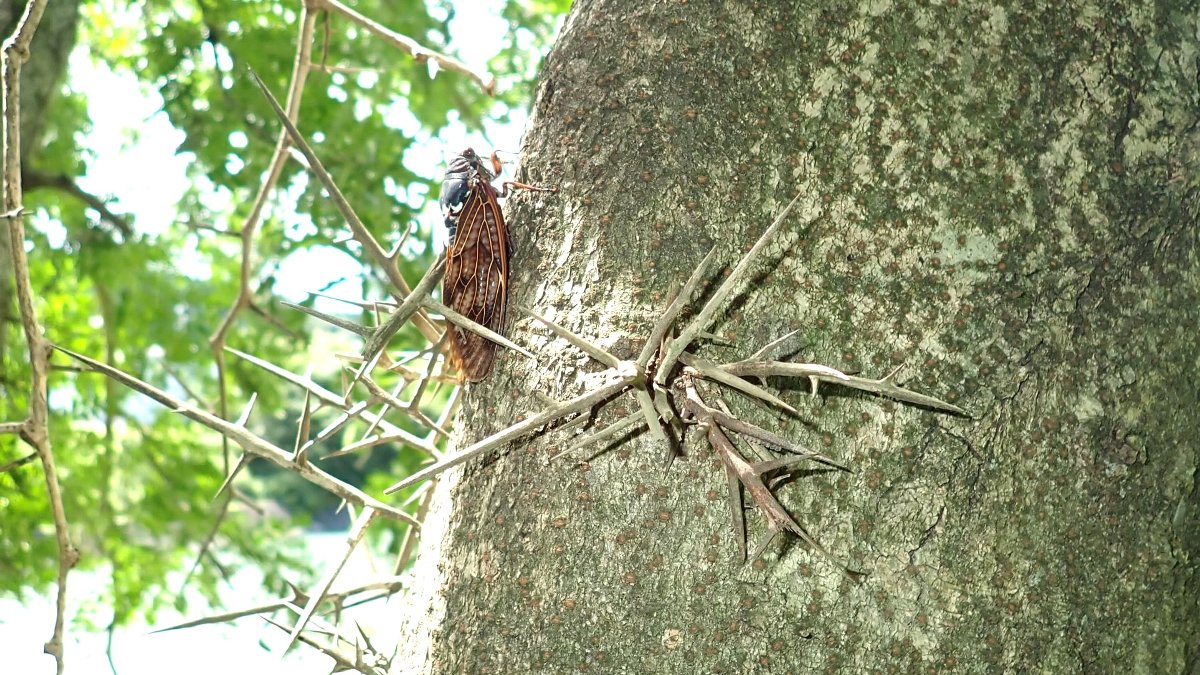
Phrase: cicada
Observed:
(476, 278)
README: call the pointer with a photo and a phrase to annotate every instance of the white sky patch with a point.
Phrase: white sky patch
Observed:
(132, 146)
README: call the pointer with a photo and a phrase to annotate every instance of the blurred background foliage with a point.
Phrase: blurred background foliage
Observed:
(138, 481)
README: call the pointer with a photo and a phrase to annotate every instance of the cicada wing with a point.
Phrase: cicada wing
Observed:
(476, 280)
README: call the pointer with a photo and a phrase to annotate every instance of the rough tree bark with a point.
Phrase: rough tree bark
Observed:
(1007, 201)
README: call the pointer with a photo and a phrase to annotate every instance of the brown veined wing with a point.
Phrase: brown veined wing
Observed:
(476, 278)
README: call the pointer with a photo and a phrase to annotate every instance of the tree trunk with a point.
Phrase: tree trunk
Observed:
(999, 201)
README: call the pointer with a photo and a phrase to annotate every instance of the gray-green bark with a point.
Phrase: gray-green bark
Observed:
(1008, 211)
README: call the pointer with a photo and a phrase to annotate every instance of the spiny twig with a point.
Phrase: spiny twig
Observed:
(613, 430)
(301, 64)
(728, 379)
(624, 377)
(389, 585)
(344, 324)
(818, 373)
(379, 338)
(587, 347)
(361, 234)
(680, 301)
(314, 600)
(465, 323)
(419, 53)
(35, 429)
(249, 442)
(350, 411)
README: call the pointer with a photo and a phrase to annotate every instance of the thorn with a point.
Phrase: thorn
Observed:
(245, 416)
(303, 428)
(588, 348)
(242, 462)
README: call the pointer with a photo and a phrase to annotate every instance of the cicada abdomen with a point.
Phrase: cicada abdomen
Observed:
(476, 278)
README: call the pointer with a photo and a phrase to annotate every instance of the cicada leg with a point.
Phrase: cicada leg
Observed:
(523, 186)
(498, 166)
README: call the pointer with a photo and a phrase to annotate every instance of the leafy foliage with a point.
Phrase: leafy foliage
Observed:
(137, 480)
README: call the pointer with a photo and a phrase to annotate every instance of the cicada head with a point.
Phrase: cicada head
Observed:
(465, 168)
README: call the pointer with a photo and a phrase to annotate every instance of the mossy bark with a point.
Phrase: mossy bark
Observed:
(1003, 203)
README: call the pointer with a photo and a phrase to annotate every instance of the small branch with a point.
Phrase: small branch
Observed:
(222, 512)
(818, 373)
(414, 403)
(355, 411)
(18, 463)
(342, 662)
(681, 299)
(35, 429)
(399, 436)
(771, 346)
(711, 371)
(321, 393)
(581, 402)
(734, 424)
(380, 394)
(361, 234)
(651, 417)
(613, 430)
(303, 428)
(344, 324)
(279, 156)
(248, 441)
(357, 533)
(377, 340)
(463, 322)
(587, 347)
(486, 81)
(298, 598)
(305, 383)
(750, 476)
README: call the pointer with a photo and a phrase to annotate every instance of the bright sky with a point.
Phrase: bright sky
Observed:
(135, 164)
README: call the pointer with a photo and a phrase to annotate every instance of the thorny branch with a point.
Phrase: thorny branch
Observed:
(713, 422)
(34, 430)
(300, 68)
(361, 234)
(486, 81)
(251, 443)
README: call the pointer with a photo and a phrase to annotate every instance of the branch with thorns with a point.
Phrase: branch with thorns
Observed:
(34, 429)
